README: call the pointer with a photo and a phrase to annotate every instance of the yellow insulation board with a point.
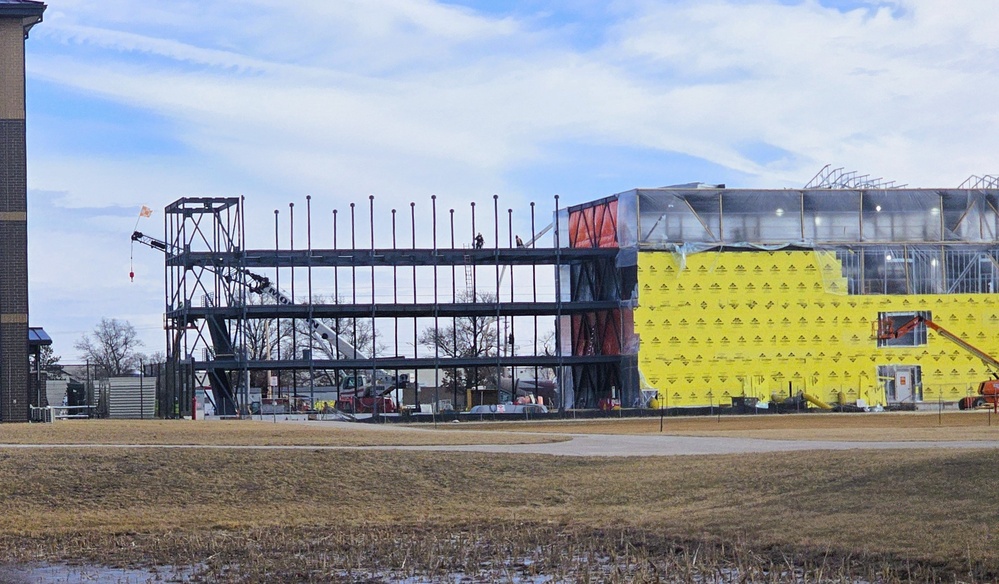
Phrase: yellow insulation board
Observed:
(751, 323)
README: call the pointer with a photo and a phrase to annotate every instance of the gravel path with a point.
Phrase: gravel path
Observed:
(631, 445)
(600, 445)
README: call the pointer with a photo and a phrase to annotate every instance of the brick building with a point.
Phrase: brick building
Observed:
(16, 19)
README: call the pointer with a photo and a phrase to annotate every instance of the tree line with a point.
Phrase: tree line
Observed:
(112, 348)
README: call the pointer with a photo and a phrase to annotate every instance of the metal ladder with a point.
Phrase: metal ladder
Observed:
(469, 275)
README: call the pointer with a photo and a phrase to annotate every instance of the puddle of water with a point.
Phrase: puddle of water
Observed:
(47, 573)
(67, 574)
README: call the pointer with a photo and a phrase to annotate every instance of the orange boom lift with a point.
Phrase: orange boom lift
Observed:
(988, 391)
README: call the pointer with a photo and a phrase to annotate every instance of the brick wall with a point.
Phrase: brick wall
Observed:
(14, 381)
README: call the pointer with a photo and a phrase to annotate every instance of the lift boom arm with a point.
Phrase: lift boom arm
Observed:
(887, 330)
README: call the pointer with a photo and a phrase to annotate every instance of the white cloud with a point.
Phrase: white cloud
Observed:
(842, 87)
(403, 98)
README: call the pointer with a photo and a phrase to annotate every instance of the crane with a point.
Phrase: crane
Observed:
(383, 381)
(988, 391)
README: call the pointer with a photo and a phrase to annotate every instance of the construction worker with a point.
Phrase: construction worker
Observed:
(479, 241)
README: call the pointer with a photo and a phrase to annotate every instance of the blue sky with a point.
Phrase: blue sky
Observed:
(135, 103)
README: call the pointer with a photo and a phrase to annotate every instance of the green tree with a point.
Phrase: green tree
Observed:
(48, 360)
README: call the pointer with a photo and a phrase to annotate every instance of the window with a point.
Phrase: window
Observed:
(914, 337)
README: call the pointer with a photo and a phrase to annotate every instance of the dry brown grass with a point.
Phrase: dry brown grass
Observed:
(307, 515)
(871, 427)
(244, 432)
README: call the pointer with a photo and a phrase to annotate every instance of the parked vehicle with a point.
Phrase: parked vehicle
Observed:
(509, 408)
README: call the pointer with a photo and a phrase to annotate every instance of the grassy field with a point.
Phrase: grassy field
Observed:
(372, 516)
(925, 510)
(893, 426)
(244, 432)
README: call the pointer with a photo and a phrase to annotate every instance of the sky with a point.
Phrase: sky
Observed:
(134, 103)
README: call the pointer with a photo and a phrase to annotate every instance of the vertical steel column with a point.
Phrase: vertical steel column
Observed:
(510, 331)
(353, 295)
(395, 320)
(374, 377)
(294, 321)
(277, 285)
(437, 346)
(454, 322)
(475, 292)
(416, 373)
(560, 376)
(499, 332)
(172, 329)
(311, 337)
(336, 300)
(534, 288)
(474, 299)
(244, 293)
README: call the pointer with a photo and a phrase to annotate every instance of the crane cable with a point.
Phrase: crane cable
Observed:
(143, 212)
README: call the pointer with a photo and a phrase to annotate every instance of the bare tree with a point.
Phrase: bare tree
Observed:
(112, 348)
(548, 349)
(356, 332)
(465, 337)
(260, 338)
(263, 337)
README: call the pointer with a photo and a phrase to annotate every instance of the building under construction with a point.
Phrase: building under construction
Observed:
(470, 321)
(694, 295)
(772, 293)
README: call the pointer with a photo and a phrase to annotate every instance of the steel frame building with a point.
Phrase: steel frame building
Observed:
(519, 290)
(696, 294)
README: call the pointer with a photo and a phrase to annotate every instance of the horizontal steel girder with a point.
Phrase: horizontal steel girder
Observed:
(255, 259)
(377, 310)
(406, 363)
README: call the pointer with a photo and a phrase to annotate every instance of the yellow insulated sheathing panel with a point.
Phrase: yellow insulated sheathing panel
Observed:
(729, 324)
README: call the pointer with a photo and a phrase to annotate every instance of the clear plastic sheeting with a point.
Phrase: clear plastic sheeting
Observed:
(882, 269)
(627, 220)
(889, 241)
(920, 269)
(970, 215)
(670, 217)
(902, 216)
(560, 237)
(833, 217)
